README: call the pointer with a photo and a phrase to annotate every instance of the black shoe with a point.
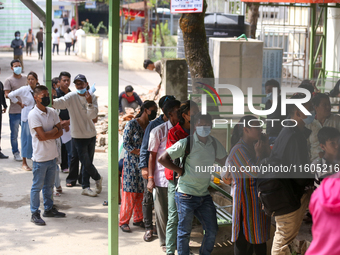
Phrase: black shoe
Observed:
(54, 213)
(2, 155)
(37, 219)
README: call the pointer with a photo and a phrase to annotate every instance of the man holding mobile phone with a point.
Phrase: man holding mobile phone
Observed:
(83, 108)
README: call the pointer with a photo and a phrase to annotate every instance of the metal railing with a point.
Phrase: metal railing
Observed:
(157, 52)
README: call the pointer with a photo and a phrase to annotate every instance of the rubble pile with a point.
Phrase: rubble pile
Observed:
(102, 125)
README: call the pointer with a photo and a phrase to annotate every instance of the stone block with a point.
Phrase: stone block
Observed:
(175, 78)
(133, 55)
(229, 67)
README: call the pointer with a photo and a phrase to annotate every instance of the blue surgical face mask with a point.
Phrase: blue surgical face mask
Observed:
(203, 131)
(309, 118)
(81, 91)
(17, 70)
(269, 96)
(17, 37)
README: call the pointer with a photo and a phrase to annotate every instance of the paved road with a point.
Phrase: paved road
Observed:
(84, 230)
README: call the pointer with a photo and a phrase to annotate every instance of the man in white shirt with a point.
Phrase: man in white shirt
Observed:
(156, 179)
(77, 35)
(45, 128)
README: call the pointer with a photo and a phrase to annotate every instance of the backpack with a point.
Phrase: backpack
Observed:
(188, 148)
(277, 195)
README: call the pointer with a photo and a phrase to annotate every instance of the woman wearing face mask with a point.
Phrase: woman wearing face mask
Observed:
(251, 226)
(324, 118)
(132, 180)
(27, 103)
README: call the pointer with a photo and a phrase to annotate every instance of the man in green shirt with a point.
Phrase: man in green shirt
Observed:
(192, 195)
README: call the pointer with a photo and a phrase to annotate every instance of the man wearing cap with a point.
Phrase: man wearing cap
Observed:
(83, 108)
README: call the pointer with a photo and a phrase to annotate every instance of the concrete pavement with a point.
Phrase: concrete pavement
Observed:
(84, 230)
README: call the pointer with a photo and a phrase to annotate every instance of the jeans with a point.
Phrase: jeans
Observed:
(73, 175)
(14, 122)
(40, 50)
(171, 227)
(43, 178)
(68, 48)
(85, 150)
(147, 207)
(55, 46)
(26, 141)
(203, 208)
(57, 177)
(29, 46)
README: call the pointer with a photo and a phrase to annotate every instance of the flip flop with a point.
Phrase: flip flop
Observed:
(26, 168)
(69, 185)
(125, 228)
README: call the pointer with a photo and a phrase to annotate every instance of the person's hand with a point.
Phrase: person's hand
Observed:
(145, 173)
(67, 128)
(259, 148)
(20, 47)
(4, 110)
(151, 185)
(64, 124)
(88, 97)
(54, 92)
(226, 180)
(121, 113)
(136, 152)
(21, 104)
(39, 138)
(179, 173)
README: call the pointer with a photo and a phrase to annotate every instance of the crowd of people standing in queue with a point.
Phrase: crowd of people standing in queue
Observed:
(153, 146)
(160, 155)
(67, 128)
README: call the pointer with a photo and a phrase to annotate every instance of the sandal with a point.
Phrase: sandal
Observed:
(106, 203)
(69, 185)
(139, 224)
(26, 168)
(125, 228)
(56, 194)
(59, 189)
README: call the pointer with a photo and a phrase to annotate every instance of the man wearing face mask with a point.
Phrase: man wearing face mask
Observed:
(45, 128)
(156, 177)
(17, 45)
(12, 83)
(83, 108)
(292, 150)
(192, 195)
(273, 128)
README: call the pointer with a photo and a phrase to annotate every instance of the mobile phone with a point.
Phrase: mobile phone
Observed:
(92, 89)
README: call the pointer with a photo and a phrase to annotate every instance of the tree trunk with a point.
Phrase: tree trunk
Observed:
(197, 52)
(160, 30)
(253, 15)
(146, 22)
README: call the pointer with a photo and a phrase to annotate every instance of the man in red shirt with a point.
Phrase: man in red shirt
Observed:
(128, 99)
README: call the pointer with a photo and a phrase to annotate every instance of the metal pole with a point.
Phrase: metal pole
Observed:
(312, 39)
(113, 125)
(324, 45)
(48, 45)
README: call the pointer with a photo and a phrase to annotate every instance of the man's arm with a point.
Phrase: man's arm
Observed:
(139, 101)
(13, 45)
(120, 102)
(55, 133)
(60, 103)
(151, 170)
(166, 161)
(92, 106)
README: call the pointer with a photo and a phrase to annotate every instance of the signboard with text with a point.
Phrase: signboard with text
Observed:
(186, 6)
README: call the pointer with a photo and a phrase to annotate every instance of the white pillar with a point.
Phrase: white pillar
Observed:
(333, 40)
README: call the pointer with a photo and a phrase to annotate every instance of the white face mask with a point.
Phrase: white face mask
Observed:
(203, 131)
